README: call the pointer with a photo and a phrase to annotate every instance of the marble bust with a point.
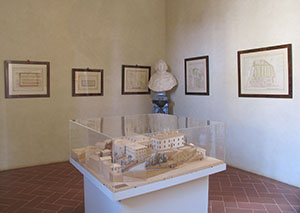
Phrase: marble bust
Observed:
(162, 80)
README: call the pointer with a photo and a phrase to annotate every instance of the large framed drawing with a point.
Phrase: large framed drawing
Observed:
(87, 82)
(266, 72)
(196, 76)
(27, 79)
(135, 79)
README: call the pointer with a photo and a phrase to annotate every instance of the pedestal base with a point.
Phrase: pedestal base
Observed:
(191, 197)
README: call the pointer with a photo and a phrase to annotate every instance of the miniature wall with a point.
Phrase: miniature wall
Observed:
(262, 134)
(99, 34)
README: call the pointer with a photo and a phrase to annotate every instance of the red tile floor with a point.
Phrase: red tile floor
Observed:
(235, 190)
(59, 188)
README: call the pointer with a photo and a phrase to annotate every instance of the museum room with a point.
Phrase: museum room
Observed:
(149, 106)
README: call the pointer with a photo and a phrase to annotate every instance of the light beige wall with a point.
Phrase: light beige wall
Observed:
(72, 34)
(262, 134)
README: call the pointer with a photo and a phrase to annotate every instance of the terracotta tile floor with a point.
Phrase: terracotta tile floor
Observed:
(50, 188)
(59, 188)
(239, 191)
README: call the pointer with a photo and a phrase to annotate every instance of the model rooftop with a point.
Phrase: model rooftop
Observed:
(135, 146)
(167, 135)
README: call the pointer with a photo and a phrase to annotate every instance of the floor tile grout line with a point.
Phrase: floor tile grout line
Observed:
(290, 203)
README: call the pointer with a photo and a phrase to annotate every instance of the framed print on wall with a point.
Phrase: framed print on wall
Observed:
(266, 72)
(27, 79)
(196, 76)
(87, 82)
(135, 79)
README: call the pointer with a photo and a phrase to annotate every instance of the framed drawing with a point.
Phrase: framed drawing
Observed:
(196, 76)
(27, 79)
(135, 79)
(87, 82)
(266, 72)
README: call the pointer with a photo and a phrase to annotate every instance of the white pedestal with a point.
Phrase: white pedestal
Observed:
(187, 197)
(184, 194)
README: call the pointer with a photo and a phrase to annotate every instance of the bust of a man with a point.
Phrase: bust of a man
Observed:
(162, 80)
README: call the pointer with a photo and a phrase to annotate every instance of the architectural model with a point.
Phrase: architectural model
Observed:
(138, 155)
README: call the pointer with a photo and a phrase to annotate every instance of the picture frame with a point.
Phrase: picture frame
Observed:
(135, 79)
(196, 74)
(26, 79)
(87, 82)
(265, 72)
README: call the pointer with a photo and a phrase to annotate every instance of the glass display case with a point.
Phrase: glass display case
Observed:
(124, 152)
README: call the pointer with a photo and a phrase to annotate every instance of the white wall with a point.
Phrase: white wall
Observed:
(262, 134)
(99, 34)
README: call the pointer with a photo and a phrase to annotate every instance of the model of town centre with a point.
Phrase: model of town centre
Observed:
(156, 152)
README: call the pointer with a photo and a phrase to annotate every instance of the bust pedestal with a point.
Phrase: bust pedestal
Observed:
(161, 103)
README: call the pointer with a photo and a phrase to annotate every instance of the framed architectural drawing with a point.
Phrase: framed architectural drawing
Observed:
(135, 79)
(196, 76)
(87, 82)
(266, 72)
(27, 79)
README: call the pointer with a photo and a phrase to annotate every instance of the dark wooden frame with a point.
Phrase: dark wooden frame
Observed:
(74, 70)
(206, 58)
(123, 79)
(290, 77)
(7, 80)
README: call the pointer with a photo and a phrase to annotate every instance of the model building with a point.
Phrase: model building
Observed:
(120, 156)
(167, 141)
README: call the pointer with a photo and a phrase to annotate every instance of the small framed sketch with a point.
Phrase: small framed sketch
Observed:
(87, 82)
(27, 79)
(135, 79)
(266, 72)
(196, 76)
